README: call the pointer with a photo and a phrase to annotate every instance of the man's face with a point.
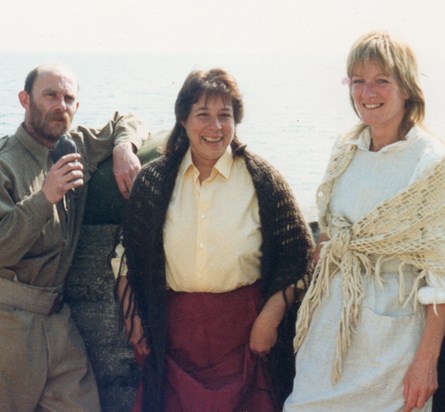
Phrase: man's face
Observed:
(51, 106)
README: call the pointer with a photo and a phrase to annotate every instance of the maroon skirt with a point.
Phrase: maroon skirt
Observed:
(209, 366)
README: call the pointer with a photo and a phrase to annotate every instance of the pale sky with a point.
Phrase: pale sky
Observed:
(290, 26)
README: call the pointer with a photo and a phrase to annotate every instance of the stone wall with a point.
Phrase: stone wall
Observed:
(90, 286)
(90, 294)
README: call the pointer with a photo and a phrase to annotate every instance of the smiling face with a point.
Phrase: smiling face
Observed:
(378, 98)
(51, 106)
(210, 128)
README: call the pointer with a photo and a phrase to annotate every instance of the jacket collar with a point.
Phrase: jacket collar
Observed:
(36, 149)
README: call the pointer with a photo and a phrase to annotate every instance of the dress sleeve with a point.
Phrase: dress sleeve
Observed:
(431, 156)
(434, 292)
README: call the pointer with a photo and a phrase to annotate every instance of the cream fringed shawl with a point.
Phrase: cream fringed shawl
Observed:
(409, 226)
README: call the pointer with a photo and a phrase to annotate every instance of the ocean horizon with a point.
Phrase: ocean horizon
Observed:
(295, 105)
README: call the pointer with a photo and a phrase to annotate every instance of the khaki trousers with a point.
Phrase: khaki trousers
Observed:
(43, 364)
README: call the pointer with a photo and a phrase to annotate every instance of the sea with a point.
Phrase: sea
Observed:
(295, 105)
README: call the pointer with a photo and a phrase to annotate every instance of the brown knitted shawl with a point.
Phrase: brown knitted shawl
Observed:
(286, 258)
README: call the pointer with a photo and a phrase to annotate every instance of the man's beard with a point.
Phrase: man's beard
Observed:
(42, 123)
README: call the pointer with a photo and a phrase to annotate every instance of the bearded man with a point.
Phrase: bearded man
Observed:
(43, 362)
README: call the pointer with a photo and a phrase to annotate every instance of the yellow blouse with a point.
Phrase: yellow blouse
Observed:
(212, 233)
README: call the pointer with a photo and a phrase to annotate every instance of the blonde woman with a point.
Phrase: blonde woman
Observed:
(371, 325)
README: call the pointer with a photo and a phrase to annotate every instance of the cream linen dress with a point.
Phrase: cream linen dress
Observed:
(388, 332)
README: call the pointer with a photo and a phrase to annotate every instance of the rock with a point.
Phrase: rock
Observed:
(90, 294)
(90, 287)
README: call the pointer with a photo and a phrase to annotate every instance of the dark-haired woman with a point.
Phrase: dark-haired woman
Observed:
(215, 246)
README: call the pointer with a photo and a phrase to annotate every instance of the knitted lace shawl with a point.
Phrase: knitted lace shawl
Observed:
(409, 226)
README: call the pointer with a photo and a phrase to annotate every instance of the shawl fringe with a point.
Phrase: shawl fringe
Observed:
(409, 226)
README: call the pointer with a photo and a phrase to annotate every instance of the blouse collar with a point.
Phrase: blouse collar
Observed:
(223, 166)
(363, 141)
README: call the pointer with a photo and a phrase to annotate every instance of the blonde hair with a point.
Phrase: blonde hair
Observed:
(398, 60)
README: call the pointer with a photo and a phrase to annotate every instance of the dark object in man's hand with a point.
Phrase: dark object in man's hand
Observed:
(64, 146)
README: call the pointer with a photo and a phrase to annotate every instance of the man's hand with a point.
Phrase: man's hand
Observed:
(126, 166)
(64, 175)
